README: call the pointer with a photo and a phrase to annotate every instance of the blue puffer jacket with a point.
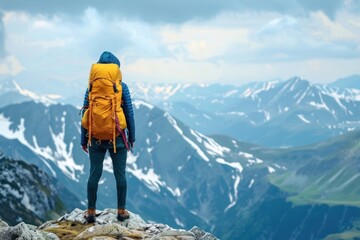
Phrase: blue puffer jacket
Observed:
(108, 57)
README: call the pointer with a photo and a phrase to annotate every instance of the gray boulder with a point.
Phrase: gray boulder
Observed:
(20, 232)
(202, 235)
(3, 224)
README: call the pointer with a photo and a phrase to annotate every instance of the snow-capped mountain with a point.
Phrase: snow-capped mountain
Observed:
(168, 158)
(279, 113)
(11, 92)
(275, 113)
(184, 178)
(27, 193)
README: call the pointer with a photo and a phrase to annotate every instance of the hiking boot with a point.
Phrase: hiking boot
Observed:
(122, 214)
(90, 216)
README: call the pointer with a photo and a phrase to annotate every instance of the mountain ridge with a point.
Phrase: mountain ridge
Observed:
(28, 193)
(169, 158)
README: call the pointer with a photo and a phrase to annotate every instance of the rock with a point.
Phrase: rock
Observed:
(208, 236)
(109, 216)
(102, 217)
(3, 224)
(106, 227)
(45, 235)
(104, 238)
(20, 232)
(156, 228)
(174, 235)
(201, 234)
(49, 224)
(49, 236)
(113, 230)
(77, 215)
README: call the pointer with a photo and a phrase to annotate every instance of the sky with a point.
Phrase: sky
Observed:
(50, 45)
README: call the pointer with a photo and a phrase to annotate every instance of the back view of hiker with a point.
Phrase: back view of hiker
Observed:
(107, 125)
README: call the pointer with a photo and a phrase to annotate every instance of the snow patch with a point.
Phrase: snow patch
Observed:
(173, 122)
(62, 154)
(108, 165)
(19, 134)
(158, 137)
(302, 118)
(234, 199)
(251, 183)
(138, 103)
(255, 161)
(231, 92)
(175, 192)
(148, 176)
(235, 165)
(179, 223)
(46, 101)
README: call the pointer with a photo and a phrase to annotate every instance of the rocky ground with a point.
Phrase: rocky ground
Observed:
(107, 227)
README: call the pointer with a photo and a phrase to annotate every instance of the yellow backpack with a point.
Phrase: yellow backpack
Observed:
(104, 119)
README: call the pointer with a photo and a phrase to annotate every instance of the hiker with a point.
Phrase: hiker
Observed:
(115, 134)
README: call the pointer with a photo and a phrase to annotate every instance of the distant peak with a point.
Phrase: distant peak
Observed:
(347, 82)
(37, 98)
(296, 82)
(297, 79)
(138, 102)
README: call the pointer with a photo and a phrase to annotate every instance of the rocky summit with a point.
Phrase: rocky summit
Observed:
(106, 227)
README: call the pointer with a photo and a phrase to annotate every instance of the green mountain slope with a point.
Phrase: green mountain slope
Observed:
(328, 173)
(314, 193)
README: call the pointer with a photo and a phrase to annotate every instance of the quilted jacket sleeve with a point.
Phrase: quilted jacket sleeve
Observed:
(84, 138)
(128, 111)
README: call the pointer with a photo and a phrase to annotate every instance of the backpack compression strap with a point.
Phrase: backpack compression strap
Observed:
(113, 102)
(90, 118)
(118, 128)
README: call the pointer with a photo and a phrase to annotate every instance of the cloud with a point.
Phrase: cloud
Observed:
(319, 70)
(209, 43)
(10, 65)
(174, 11)
(2, 36)
(328, 7)
(206, 42)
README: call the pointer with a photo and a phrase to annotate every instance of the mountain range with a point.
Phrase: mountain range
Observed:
(274, 114)
(182, 177)
(287, 113)
(179, 176)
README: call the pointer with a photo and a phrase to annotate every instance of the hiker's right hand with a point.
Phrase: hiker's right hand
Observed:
(85, 148)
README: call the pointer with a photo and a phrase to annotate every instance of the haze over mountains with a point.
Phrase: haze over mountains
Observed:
(190, 168)
(275, 113)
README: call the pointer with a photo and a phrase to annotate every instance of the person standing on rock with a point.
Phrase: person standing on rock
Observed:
(107, 125)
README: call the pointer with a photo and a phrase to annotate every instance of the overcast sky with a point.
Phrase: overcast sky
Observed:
(207, 41)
